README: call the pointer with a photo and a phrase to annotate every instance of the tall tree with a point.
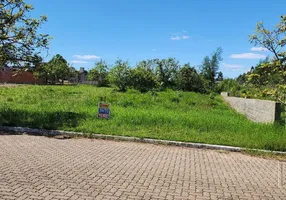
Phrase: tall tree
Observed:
(166, 71)
(273, 40)
(120, 75)
(188, 79)
(150, 65)
(55, 71)
(219, 76)
(210, 67)
(20, 44)
(143, 77)
(99, 73)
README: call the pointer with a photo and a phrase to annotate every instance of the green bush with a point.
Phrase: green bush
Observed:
(143, 79)
(120, 75)
(229, 85)
(188, 79)
(99, 73)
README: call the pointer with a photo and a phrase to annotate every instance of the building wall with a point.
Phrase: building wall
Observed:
(10, 76)
(5, 75)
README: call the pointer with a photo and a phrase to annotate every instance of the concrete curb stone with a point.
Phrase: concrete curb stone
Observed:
(44, 132)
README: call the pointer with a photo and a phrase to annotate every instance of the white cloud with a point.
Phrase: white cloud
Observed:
(185, 37)
(248, 56)
(258, 49)
(175, 38)
(86, 57)
(78, 62)
(232, 66)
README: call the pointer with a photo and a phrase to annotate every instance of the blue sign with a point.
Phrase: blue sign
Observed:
(104, 110)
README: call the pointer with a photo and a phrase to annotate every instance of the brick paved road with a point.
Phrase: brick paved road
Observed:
(44, 168)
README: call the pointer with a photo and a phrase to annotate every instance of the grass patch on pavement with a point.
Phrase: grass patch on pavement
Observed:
(266, 155)
(169, 115)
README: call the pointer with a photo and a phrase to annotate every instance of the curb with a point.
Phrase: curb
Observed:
(44, 132)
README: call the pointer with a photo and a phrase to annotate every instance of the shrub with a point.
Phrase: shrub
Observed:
(189, 80)
(143, 79)
(229, 85)
(99, 73)
(120, 75)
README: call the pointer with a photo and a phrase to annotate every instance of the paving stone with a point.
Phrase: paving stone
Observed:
(47, 168)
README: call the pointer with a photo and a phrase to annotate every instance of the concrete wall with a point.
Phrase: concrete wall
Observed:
(255, 110)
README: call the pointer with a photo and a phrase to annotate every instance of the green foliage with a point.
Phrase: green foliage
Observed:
(261, 75)
(166, 71)
(241, 79)
(187, 79)
(169, 115)
(55, 71)
(273, 71)
(219, 76)
(99, 73)
(229, 85)
(273, 40)
(143, 78)
(19, 42)
(73, 75)
(93, 75)
(120, 75)
(210, 67)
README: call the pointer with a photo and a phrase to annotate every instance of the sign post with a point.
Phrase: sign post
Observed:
(103, 110)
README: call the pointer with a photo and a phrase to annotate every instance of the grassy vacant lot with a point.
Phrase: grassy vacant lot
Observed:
(182, 116)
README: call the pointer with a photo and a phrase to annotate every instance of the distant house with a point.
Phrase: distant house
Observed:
(26, 76)
(83, 78)
(82, 75)
(17, 75)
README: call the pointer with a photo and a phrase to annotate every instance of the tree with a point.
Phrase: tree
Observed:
(219, 76)
(210, 67)
(120, 75)
(143, 78)
(93, 75)
(19, 42)
(206, 71)
(261, 75)
(188, 79)
(241, 79)
(73, 75)
(229, 85)
(273, 40)
(99, 73)
(166, 71)
(55, 71)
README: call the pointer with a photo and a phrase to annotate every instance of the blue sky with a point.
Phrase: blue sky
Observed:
(87, 30)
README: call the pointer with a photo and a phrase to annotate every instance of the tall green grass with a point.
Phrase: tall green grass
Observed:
(170, 115)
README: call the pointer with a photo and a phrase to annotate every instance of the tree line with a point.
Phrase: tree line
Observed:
(152, 74)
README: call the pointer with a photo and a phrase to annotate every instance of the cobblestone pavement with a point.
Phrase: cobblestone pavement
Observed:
(34, 167)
